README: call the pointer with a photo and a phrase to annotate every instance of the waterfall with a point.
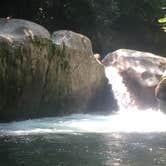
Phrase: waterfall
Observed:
(121, 93)
(128, 119)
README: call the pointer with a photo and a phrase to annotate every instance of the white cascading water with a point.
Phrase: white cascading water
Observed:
(121, 92)
(128, 119)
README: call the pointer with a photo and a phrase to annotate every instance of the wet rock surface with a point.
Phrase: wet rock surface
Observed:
(141, 72)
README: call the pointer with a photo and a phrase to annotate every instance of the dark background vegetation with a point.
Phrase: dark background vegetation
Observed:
(110, 24)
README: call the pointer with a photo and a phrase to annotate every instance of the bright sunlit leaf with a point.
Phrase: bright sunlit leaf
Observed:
(162, 20)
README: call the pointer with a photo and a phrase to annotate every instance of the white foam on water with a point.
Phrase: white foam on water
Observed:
(125, 121)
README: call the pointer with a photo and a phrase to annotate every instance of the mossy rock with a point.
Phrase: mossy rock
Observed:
(40, 77)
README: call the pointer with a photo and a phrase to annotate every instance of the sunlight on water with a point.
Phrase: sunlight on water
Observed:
(124, 121)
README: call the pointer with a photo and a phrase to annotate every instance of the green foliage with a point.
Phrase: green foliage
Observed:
(162, 20)
(62, 57)
(145, 10)
(86, 15)
(106, 12)
(78, 13)
(54, 50)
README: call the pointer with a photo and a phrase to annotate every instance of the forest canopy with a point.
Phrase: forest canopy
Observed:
(83, 14)
(110, 24)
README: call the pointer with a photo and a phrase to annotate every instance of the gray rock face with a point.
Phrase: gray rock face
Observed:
(141, 72)
(44, 77)
(72, 40)
(83, 78)
(19, 30)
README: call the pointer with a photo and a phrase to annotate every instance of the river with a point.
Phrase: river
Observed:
(129, 137)
(86, 140)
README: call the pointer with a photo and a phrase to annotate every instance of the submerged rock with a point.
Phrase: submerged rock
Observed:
(141, 72)
(40, 76)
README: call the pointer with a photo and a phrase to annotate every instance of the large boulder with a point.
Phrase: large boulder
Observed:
(40, 76)
(141, 72)
(80, 82)
(24, 48)
(18, 30)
